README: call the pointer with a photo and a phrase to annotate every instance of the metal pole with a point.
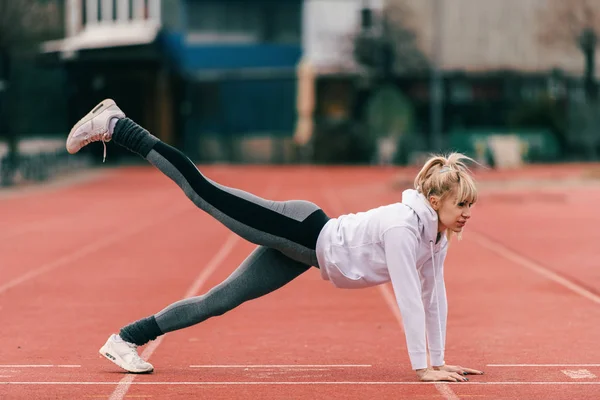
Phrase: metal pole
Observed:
(436, 82)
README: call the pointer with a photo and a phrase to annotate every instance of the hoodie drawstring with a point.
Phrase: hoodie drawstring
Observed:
(435, 284)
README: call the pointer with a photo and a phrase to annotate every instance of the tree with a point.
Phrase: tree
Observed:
(23, 24)
(574, 23)
(387, 43)
(387, 47)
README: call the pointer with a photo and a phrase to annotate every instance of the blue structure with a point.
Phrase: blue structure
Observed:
(238, 61)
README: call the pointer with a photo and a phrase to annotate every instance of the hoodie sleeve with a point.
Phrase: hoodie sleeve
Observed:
(401, 245)
(436, 306)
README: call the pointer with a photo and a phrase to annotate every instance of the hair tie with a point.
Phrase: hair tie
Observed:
(445, 169)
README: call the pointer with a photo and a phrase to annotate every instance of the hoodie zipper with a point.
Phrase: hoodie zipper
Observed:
(435, 288)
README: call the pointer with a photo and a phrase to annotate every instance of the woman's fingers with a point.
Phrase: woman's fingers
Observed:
(471, 371)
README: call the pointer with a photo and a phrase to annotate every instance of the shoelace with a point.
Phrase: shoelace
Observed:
(89, 139)
(136, 357)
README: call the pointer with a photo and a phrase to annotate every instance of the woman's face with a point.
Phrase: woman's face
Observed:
(453, 213)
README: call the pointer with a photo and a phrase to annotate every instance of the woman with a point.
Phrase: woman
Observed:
(404, 243)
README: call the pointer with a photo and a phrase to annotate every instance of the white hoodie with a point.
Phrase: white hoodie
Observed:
(396, 243)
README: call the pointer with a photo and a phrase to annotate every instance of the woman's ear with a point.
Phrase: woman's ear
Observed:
(435, 202)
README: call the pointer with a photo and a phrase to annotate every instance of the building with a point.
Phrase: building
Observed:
(217, 78)
(489, 57)
(252, 80)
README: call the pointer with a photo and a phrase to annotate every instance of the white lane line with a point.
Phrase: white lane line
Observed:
(38, 366)
(543, 365)
(224, 251)
(578, 373)
(513, 256)
(24, 229)
(297, 383)
(96, 245)
(285, 366)
(390, 300)
(121, 390)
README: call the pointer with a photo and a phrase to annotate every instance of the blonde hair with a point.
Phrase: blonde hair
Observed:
(441, 175)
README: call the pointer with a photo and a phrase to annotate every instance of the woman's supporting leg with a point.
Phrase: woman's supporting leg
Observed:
(289, 226)
(263, 272)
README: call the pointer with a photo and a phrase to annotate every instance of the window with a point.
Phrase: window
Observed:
(244, 20)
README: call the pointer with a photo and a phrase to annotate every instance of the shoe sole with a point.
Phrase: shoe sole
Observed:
(106, 352)
(100, 107)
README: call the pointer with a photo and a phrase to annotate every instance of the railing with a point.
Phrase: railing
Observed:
(38, 159)
(81, 14)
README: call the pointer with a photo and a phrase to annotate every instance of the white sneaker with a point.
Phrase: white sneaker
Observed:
(94, 126)
(125, 355)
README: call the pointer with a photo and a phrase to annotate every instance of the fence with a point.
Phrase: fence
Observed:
(38, 159)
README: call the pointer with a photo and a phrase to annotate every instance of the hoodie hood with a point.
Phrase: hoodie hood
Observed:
(419, 204)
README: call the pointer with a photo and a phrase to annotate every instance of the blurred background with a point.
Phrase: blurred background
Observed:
(372, 82)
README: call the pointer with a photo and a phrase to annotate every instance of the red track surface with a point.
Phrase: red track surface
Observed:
(77, 263)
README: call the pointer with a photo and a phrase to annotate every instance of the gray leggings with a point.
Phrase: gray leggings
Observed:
(262, 272)
(285, 232)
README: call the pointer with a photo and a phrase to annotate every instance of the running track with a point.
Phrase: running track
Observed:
(79, 262)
